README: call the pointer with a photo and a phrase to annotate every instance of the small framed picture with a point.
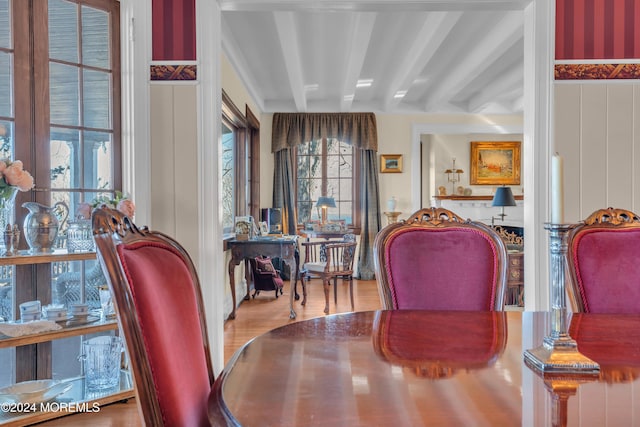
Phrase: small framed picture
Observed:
(264, 228)
(390, 163)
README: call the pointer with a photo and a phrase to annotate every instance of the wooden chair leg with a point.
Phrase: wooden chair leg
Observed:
(351, 292)
(304, 289)
(325, 285)
(335, 290)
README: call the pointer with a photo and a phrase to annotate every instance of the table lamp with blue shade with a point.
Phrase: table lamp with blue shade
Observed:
(324, 203)
(503, 197)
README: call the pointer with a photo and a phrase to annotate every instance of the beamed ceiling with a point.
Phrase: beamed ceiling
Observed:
(383, 56)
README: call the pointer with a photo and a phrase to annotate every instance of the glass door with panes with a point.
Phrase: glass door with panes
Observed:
(59, 115)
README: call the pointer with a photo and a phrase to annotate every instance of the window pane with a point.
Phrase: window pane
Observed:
(5, 24)
(65, 158)
(6, 84)
(98, 153)
(333, 146)
(344, 211)
(304, 212)
(346, 189)
(6, 141)
(333, 188)
(96, 94)
(8, 363)
(64, 94)
(315, 148)
(228, 147)
(95, 37)
(63, 31)
(303, 167)
(66, 289)
(333, 166)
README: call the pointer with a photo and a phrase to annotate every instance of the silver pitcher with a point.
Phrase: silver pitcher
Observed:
(42, 223)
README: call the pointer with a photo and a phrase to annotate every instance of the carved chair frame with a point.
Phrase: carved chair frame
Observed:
(111, 228)
(431, 218)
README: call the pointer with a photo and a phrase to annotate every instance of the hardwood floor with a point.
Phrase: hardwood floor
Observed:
(253, 318)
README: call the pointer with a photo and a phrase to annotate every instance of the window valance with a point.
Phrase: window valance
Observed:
(291, 129)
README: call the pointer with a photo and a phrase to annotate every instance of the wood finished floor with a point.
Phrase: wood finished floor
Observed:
(253, 318)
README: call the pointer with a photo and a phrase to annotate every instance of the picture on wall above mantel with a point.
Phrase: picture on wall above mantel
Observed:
(495, 163)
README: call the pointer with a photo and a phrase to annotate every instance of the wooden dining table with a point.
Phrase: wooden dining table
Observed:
(413, 368)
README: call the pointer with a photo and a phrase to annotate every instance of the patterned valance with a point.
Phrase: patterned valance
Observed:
(291, 129)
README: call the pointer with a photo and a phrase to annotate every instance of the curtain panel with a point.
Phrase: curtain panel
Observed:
(357, 129)
(292, 129)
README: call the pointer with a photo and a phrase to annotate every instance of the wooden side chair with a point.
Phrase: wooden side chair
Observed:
(604, 261)
(435, 260)
(329, 260)
(161, 315)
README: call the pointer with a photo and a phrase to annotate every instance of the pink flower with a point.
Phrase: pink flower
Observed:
(14, 174)
(83, 210)
(127, 207)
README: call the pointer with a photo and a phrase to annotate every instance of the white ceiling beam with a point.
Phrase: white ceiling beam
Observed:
(513, 78)
(501, 37)
(240, 65)
(285, 24)
(371, 5)
(358, 44)
(434, 31)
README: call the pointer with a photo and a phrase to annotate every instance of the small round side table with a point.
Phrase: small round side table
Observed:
(392, 217)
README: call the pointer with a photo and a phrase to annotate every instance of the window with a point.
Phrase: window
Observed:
(228, 178)
(60, 106)
(240, 164)
(327, 167)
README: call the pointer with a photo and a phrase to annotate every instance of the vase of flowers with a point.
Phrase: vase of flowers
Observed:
(13, 178)
(120, 201)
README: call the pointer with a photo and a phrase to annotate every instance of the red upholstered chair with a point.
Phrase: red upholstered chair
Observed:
(604, 261)
(161, 315)
(435, 260)
(265, 276)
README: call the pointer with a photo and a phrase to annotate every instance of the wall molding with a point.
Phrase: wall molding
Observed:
(602, 71)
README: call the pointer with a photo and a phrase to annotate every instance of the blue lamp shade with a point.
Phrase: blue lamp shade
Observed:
(326, 202)
(503, 197)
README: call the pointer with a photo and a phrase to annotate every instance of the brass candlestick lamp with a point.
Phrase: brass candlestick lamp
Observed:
(324, 203)
(453, 176)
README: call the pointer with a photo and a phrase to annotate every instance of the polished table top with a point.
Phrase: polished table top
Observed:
(410, 368)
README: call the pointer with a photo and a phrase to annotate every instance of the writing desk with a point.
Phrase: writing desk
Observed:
(412, 368)
(310, 234)
(285, 248)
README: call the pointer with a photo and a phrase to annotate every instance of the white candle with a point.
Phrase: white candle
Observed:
(557, 194)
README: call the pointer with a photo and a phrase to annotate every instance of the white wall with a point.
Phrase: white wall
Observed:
(174, 177)
(597, 131)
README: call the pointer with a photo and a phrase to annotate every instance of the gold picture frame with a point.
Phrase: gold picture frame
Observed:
(495, 163)
(390, 163)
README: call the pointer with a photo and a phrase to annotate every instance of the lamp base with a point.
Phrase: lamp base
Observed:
(560, 355)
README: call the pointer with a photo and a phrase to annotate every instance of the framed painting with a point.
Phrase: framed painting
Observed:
(390, 163)
(495, 163)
